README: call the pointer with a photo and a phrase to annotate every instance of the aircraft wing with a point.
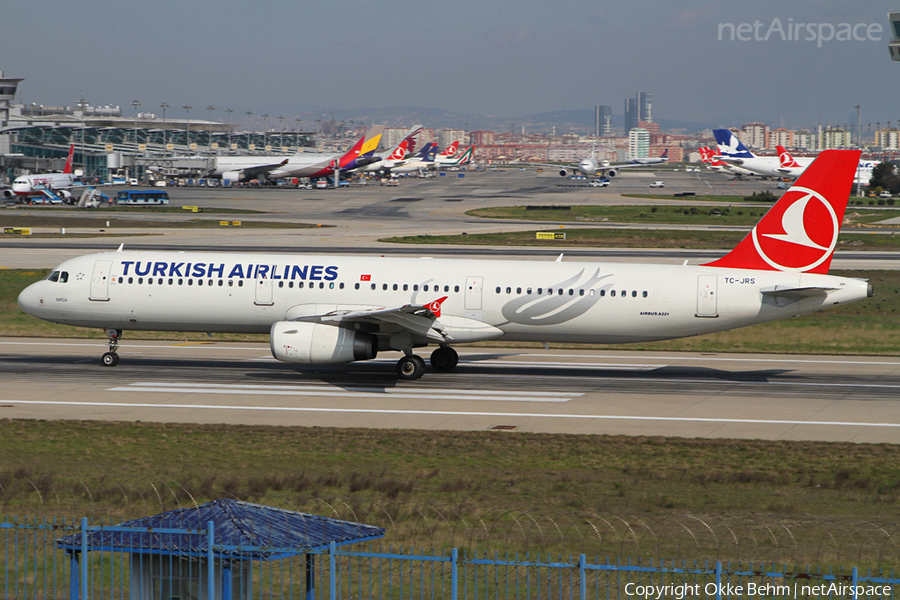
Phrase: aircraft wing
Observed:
(422, 321)
(257, 171)
(417, 319)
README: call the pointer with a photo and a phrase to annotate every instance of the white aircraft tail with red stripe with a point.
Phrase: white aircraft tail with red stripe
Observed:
(801, 231)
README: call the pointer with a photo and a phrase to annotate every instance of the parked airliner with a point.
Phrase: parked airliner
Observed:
(325, 309)
(34, 185)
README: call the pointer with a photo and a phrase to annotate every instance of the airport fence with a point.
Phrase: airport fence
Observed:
(60, 558)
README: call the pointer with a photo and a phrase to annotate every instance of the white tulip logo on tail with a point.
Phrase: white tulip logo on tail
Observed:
(435, 307)
(808, 224)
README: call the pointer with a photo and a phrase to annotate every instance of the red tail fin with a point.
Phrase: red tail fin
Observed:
(800, 232)
(451, 149)
(784, 157)
(69, 159)
(705, 154)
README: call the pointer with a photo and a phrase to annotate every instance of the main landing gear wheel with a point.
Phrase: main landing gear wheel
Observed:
(410, 367)
(110, 359)
(444, 359)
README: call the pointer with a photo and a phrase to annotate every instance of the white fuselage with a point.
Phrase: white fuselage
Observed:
(305, 164)
(767, 166)
(526, 301)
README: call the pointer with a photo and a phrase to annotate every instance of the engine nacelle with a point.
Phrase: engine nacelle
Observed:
(611, 173)
(9, 194)
(563, 172)
(233, 176)
(317, 344)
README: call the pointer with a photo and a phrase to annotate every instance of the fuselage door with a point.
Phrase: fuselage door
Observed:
(100, 281)
(473, 292)
(264, 292)
(707, 296)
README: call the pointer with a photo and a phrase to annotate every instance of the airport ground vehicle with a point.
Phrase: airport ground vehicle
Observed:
(600, 183)
(142, 198)
(658, 184)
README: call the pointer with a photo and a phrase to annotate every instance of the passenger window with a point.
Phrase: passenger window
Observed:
(342, 285)
(425, 288)
(281, 284)
(560, 292)
(634, 293)
(321, 285)
(518, 290)
(645, 294)
(571, 292)
(180, 281)
(384, 287)
(140, 280)
(405, 287)
(509, 290)
(121, 279)
(200, 282)
(415, 287)
(446, 288)
(131, 280)
(456, 288)
(159, 281)
(240, 283)
(581, 293)
(539, 290)
(290, 284)
(528, 291)
(498, 289)
(374, 286)
(612, 293)
(395, 287)
(591, 293)
(190, 282)
(602, 293)
(170, 281)
(331, 286)
(355, 286)
(299, 284)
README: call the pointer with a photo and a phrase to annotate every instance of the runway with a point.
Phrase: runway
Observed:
(559, 391)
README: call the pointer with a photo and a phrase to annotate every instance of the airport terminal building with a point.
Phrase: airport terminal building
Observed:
(108, 143)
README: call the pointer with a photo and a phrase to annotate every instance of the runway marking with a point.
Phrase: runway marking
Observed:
(453, 413)
(346, 392)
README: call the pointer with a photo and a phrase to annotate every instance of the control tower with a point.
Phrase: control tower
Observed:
(8, 89)
(894, 45)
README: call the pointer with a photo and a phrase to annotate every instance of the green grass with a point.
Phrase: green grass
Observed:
(675, 215)
(632, 238)
(50, 208)
(55, 221)
(475, 481)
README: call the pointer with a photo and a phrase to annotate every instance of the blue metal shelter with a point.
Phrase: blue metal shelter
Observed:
(222, 532)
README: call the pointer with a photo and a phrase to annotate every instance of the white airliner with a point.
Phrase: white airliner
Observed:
(336, 309)
(55, 183)
(708, 157)
(396, 157)
(591, 167)
(794, 167)
(733, 152)
(304, 164)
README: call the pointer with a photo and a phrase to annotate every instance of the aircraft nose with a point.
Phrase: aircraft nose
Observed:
(30, 299)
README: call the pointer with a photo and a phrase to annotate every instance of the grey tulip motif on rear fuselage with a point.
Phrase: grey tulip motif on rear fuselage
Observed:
(547, 309)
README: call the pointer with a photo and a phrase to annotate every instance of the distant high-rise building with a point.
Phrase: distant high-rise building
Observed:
(602, 120)
(638, 143)
(645, 106)
(631, 115)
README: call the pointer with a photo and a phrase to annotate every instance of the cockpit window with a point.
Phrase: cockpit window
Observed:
(54, 276)
(63, 276)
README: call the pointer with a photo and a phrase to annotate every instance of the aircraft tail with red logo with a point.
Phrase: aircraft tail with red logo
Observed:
(801, 231)
(450, 150)
(69, 160)
(787, 161)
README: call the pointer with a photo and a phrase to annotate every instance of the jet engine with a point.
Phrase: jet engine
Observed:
(318, 344)
(233, 176)
(611, 173)
(563, 172)
(8, 194)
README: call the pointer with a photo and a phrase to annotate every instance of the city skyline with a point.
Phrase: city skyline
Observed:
(702, 62)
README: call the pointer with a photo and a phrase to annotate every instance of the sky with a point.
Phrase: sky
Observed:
(501, 58)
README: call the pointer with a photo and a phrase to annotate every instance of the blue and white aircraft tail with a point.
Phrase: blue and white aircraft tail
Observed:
(730, 145)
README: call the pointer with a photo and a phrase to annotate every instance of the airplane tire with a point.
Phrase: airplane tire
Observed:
(109, 359)
(444, 359)
(410, 367)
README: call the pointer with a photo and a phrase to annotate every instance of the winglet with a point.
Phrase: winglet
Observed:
(435, 307)
(121, 246)
(800, 232)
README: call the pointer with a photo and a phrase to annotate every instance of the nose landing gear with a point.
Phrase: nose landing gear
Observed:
(111, 358)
